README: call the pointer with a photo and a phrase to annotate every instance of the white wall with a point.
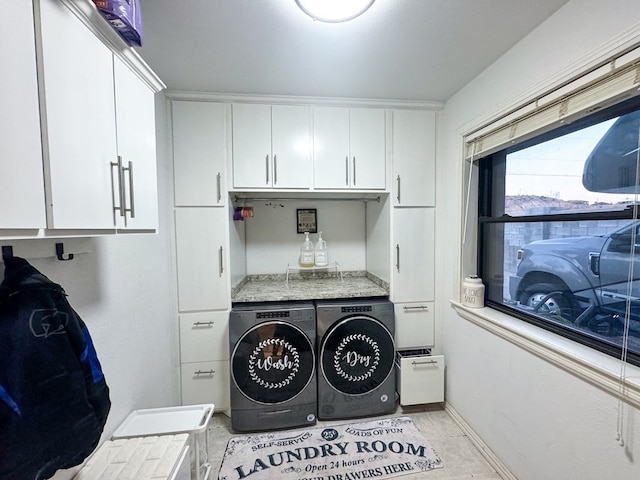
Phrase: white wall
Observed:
(272, 241)
(541, 421)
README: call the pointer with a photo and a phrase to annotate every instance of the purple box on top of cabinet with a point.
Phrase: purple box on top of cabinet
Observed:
(125, 17)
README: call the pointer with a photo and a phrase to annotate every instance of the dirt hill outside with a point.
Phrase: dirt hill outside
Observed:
(532, 205)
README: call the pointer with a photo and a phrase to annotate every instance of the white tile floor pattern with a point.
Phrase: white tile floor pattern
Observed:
(460, 457)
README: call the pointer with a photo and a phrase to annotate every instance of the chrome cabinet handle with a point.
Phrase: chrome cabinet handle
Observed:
(203, 324)
(219, 186)
(121, 199)
(209, 373)
(275, 169)
(266, 165)
(220, 261)
(132, 206)
(354, 171)
(398, 196)
(427, 362)
(346, 170)
(416, 307)
(398, 257)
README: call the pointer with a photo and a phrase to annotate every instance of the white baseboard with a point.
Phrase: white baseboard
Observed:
(484, 449)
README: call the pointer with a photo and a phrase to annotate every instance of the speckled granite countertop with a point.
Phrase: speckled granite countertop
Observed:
(311, 285)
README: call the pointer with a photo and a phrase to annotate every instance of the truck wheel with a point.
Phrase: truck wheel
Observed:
(560, 303)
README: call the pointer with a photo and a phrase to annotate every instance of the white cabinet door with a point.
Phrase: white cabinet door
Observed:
(199, 153)
(136, 134)
(414, 152)
(291, 146)
(413, 243)
(77, 95)
(349, 148)
(21, 178)
(252, 162)
(331, 148)
(367, 137)
(200, 251)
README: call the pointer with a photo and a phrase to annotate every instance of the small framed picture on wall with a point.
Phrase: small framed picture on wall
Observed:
(307, 220)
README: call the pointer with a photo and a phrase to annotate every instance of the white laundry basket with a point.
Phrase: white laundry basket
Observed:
(190, 419)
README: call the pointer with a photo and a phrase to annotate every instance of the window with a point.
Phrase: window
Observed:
(559, 235)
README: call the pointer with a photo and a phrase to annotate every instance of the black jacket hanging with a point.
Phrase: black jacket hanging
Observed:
(54, 400)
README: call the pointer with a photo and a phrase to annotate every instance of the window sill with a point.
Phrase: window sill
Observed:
(595, 367)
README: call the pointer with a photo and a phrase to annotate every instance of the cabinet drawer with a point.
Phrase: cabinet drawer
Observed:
(414, 325)
(204, 336)
(206, 382)
(420, 379)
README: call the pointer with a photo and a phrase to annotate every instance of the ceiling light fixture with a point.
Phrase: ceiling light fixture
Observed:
(334, 11)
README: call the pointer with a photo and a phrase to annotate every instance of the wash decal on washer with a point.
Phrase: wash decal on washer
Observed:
(273, 362)
(357, 355)
(273, 354)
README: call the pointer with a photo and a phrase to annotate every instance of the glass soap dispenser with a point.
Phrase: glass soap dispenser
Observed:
(306, 252)
(322, 255)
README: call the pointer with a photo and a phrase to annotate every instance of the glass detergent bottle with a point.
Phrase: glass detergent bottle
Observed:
(321, 254)
(307, 252)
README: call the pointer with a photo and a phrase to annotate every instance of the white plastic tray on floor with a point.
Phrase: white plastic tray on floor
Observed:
(165, 421)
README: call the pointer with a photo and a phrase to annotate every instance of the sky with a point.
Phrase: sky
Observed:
(554, 168)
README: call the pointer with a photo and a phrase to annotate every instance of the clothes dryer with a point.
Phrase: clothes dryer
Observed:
(356, 355)
(273, 366)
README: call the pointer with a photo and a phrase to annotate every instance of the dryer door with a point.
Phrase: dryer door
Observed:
(357, 355)
(273, 362)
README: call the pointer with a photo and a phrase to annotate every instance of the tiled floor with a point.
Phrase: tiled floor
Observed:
(461, 458)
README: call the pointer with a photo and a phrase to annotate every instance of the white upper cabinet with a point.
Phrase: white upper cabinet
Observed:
(272, 146)
(252, 161)
(331, 147)
(21, 179)
(136, 141)
(349, 148)
(291, 146)
(367, 135)
(78, 123)
(414, 152)
(199, 153)
(77, 101)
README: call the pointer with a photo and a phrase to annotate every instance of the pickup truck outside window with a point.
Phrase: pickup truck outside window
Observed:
(559, 239)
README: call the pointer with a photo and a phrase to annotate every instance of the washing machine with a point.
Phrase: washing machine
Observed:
(356, 355)
(273, 366)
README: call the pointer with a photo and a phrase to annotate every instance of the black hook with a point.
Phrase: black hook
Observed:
(60, 253)
(7, 252)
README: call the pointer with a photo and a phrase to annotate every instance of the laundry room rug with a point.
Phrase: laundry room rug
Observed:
(379, 449)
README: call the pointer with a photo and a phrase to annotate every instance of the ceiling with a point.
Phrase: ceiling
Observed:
(409, 50)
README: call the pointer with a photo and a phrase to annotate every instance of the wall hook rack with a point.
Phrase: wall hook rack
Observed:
(46, 248)
(60, 253)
